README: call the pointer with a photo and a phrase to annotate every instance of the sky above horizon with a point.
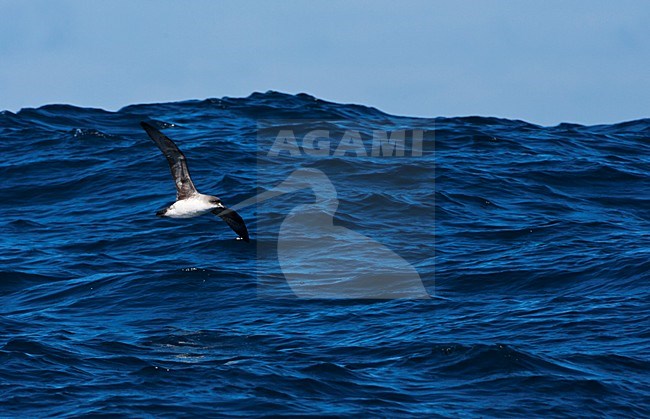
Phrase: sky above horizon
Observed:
(544, 62)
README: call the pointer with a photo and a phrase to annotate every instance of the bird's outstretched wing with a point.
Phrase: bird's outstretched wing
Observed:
(234, 220)
(176, 159)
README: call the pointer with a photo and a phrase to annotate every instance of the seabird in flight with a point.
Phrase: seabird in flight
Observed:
(189, 202)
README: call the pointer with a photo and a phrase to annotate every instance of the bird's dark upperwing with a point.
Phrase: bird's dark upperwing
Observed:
(234, 220)
(176, 159)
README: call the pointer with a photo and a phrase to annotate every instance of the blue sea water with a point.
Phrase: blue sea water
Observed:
(532, 242)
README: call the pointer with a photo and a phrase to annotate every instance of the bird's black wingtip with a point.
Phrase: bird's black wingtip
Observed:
(242, 234)
(146, 125)
(234, 221)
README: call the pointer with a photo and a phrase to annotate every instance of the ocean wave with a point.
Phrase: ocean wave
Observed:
(532, 242)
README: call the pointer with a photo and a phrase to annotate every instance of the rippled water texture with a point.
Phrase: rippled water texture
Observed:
(531, 244)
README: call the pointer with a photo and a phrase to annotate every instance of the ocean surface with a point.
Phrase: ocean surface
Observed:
(526, 251)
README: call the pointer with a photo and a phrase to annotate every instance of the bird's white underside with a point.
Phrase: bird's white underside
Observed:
(190, 207)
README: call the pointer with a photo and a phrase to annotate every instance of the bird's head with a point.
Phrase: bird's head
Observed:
(216, 202)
